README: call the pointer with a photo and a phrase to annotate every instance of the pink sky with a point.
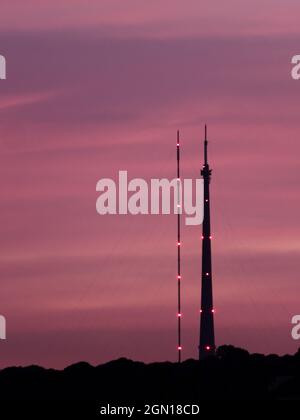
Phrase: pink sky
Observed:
(95, 89)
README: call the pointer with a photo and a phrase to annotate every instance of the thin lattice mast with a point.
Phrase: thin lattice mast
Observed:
(179, 211)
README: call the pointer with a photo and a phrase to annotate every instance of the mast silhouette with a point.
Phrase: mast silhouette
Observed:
(179, 347)
(207, 335)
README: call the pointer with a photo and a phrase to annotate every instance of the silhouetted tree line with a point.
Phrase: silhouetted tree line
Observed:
(230, 375)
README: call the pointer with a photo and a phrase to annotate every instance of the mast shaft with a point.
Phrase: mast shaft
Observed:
(179, 347)
(207, 335)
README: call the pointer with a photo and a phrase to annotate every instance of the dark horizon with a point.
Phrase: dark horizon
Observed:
(232, 374)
